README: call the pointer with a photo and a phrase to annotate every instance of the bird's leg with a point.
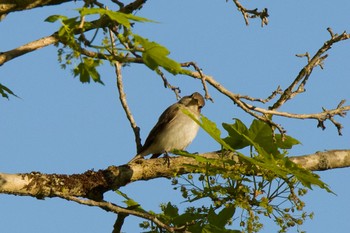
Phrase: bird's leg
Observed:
(166, 158)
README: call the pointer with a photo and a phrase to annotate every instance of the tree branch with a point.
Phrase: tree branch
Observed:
(122, 98)
(122, 95)
(248, 108)
(29, 47)
(117, 227)
(52, 39)
(166, 83)
(305, 72)
(7, 6)
(133, 6)
(93, 184)
(296, 87)
(205, 88)
(263, 15)
(108, 206)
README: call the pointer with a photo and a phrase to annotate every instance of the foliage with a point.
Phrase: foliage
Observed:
(126, 47)
(5, 91)
(253, 178)
(264, 183)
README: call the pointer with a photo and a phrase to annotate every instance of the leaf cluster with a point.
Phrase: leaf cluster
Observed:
(109, 37)
(263, 183)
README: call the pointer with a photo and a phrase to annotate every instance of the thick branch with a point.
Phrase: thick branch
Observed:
(7, 6)
(29, 47)
(93, 184)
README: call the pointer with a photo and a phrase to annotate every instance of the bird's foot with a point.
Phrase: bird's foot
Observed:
(166, 158)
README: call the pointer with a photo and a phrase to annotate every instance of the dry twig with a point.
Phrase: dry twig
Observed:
(122, 97)
(176, 90)
(205, 88)
(272, 96)
(263, 15)
(297, 86)
(110, 207)
(250, 109)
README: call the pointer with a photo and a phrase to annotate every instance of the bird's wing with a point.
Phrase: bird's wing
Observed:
(167, 116)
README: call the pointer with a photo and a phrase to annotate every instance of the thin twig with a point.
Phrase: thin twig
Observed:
(110, 207)
(205, 88)
(176, 90)
(110, 57)
(250, 109)
(340, 110)
(263, 15)
(122, 97)
(117, 227)
(305, 72)
(273, 95)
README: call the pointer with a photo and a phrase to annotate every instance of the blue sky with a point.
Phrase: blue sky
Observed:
(59, 125)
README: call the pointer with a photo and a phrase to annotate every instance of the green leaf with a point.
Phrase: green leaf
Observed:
(54, 18)
(261, 138)
(185, 218)
(225, 215)
(195, 156)
(211, 128)
(86, 70)
(91, 11)
(288, 142)
(66, 32)
(171, 211)
(220, 220)
(129, 201)
(82, 72)
(208, 125)
(119, 17)
(306, 177)
(235, 131)
(5, 92)
(155, 55)
(259, 133)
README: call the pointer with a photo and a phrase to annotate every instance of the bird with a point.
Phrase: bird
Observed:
(174, 129)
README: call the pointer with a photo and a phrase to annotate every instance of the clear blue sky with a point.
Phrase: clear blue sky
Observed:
(59, 125)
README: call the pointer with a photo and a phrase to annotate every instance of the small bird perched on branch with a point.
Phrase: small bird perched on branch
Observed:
(174, 129)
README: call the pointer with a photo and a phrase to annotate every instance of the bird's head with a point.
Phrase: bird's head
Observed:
(194, 100)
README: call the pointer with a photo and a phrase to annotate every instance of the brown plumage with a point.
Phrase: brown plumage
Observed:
(174, 129)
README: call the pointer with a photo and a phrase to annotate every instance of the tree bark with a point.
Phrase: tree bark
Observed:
(93, 184)
(7, 6)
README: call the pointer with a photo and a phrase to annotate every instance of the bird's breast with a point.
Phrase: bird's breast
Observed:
(179, 133)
